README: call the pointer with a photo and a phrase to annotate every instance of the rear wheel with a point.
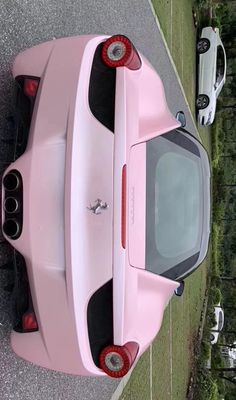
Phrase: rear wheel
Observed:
(203, 45)
(202, 101)
(212, 337)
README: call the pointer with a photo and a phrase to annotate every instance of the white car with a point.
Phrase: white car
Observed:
(215, 331)
(211, 73)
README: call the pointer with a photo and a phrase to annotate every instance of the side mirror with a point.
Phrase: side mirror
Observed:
(180, 116)
(180, 290)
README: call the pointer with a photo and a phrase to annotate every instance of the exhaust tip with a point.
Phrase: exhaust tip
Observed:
(11, 228)
(11, 205)
(11, 181)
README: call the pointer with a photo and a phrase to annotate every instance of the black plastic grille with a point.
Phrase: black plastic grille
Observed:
(100, 320)
(21, 293)
(102, 87)
(22, 117)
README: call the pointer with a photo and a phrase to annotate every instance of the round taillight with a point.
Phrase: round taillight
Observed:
(118, 51)
(115, 361)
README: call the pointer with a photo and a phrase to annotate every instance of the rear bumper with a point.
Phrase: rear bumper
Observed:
(55, 227)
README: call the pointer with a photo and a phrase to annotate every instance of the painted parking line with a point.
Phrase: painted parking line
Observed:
(150, 371)
(182, 46)
(171, 352)
(171, 25)
(120, 388)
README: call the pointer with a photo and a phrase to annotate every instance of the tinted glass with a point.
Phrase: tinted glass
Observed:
(220, 324)
(219, 65)
(177, 205)
(173, 204)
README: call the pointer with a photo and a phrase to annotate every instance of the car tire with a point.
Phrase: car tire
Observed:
(202, 101)
(203, 45)
(212, 337)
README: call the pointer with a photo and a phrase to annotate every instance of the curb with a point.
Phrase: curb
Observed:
(118, 392)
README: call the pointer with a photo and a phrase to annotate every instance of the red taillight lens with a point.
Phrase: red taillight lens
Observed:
(123, 208)
(29, 322)
(115, 361)
(118, 51)
(31, 87)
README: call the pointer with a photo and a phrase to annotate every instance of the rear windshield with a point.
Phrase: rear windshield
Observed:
(173, 205)
(219, 65)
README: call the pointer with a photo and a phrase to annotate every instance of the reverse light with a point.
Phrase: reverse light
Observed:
(115, 361)
(29, 322)
(118, 51)
(31, 86)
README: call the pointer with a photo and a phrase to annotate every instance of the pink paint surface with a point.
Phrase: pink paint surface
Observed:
(72, 160)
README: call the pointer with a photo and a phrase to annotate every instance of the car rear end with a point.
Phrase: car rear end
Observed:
(46, 142)
(79, 143)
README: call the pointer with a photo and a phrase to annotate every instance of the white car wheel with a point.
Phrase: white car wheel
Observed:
(203, 45)
(202, 101)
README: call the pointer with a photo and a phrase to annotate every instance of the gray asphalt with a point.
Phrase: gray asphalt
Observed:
(24, 23)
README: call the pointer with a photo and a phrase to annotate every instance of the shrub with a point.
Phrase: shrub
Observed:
(211, 319)
(215, 296)
(202, 3)
(218, 211)
(206, 387)
(215, 280)
(206, 350)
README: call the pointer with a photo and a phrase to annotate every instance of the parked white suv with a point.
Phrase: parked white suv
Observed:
(211, 73)
(215, 331)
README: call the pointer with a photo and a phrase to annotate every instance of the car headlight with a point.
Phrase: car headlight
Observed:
(209, 118)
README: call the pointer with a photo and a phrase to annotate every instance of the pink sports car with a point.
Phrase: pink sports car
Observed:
(107, 205)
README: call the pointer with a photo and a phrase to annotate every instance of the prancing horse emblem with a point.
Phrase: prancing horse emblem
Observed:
(98, 207)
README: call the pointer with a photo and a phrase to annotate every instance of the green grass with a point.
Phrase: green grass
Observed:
(206, 137)
(216, 239)
(180, 35)
(172, 348)
(217, 145)
(138, 387)
(172, 352)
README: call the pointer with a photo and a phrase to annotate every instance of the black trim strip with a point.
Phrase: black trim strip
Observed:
(102, 87)
(100, 320)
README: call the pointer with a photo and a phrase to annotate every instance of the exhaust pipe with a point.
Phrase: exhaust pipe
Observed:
(11, 181)
(11, 228)
(11, 205)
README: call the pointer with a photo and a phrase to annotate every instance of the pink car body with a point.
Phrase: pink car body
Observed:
(70, 249)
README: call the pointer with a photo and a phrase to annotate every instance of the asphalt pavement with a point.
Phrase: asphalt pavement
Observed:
(24, 23)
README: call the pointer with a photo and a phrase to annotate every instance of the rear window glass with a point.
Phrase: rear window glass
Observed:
(173, 204)
(219, 65)
(177, 205)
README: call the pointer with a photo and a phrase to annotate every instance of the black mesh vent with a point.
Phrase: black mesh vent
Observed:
(100, 320)
(22, 117)
(21, 293)
(102, 91)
